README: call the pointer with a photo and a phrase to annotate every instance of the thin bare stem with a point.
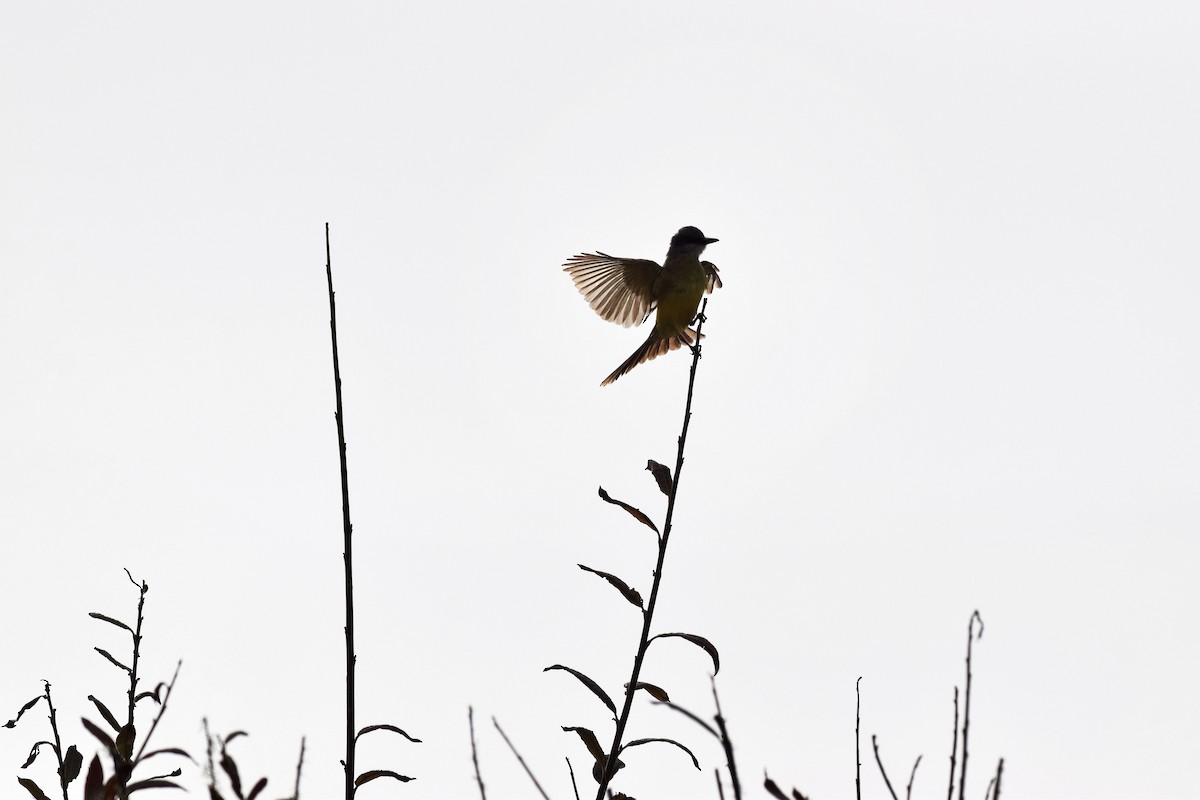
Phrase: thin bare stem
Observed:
(726, 742)
(474, 754)
(911, 778)
(574, 786)
(610, 764)
(971, 635)
(347, 531)
(299, 768)
(525, 766)
(137, 647)
(162, 709)
(58, 751)
(720, 789)
(857, 748)
(882, 771)
(953, 748)
(999, 775)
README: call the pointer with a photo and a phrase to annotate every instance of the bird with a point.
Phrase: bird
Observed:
(627, 290)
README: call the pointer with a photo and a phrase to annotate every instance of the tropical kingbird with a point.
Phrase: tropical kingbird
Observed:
(626, 290)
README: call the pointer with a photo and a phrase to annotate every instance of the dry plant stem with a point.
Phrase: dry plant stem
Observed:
(162, 709)
(648, 614)
(474, 754)
(299, 767)
(953, 748)
(882, 771)
(347, 530)
(720, 789)
(727, 744)
(999, 775)
(857, 749)
(911, 778)
(58, 751)
(520, 760)
(962, 776)
(137, 646)
(574, 786)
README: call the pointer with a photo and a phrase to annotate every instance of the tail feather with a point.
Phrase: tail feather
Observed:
(652, 348)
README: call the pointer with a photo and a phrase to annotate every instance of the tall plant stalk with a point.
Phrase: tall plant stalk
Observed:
(347, 530)
(610, 765)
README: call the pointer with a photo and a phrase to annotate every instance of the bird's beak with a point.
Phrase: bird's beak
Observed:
(708, 240)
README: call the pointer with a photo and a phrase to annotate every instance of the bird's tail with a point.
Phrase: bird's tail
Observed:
(655, 346)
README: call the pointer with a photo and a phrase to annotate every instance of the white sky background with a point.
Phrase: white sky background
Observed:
(954, 367)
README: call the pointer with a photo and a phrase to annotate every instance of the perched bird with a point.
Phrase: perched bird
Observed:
(626, 290)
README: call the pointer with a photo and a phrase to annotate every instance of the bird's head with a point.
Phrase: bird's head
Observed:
(690, 240)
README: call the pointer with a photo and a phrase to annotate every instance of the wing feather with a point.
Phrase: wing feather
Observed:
(618, 289)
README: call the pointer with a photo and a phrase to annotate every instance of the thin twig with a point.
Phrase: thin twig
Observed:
(347, 530)
(528, 771)
(58, 751)
(999, 775)
(162, 709)
(857, 749)
(882, 771)
(953, 748)
(299, 767)
(720, 789)
(962, 776)
(911, 778)
(611, 762)
(726, 742)
(474, 755)
(574, 787)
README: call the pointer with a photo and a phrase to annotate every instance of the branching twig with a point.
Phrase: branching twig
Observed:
(611, 762)
(528, 771)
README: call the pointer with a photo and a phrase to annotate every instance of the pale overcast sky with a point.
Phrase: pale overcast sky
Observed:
(953, 367)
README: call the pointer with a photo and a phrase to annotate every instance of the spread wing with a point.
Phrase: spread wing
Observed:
(714, 278)
(619, 289)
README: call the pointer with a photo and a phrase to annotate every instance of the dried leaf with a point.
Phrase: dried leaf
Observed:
(628, 592)
(108, 655)
(637, 742)
(72, 763)
(125, 739)
(258, 787)
(175, 751)
(638, 515)
(796, 794)
(104, 712)
(772, 789)
(662, 475)
(391, 728)
(590, 742)
(589, 683)
(234, 735)
(109, 620)
(93, 784)
(33, 753)
(153, 783)
(231, 769)
(101, 734)
(372, 774)
(656, 692)
(32, 788)
(12, 722)
(699, 641)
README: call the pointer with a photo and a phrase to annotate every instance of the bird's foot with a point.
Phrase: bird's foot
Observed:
(699, 318)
